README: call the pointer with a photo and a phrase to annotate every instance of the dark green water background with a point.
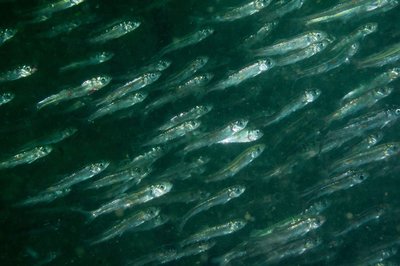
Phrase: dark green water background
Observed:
(52, 228)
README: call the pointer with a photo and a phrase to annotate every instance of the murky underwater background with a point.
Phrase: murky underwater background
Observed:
(58, 232)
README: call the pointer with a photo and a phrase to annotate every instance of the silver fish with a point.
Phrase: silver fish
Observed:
(56, 6)
(127, 175)
(245, 135)
(115, 30)
(261, 34)
(243, 11)
(387, 56)
(87, 87)
(6, 34)
(6, 97)
(94, 59)
(240, 162)
(18, 72)
(219, 198)
(44, 197)
(26, 157)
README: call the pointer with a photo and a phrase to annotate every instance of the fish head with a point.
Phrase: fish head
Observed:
(163, 64)
(394, 73)
(69, 131)
(259, 4)
(237, 224)
(99, 167)
(7, 96)
(131, 25)
(207, 31)
(97, 82)
(360, 177)
(103, 56)
(257, 150)
(161, 188)
(317, 36)
(369, 28)
(392, 149)
(383, 91)
(193, 124)
(238, 125)
(266, 64)
(8, 33)
(200, 62)
(27, 70)
(317, 221)
(311, 95)
(151, 76)
(254, 135)
(236, 191)
(312, 242)
(152, 212)
(320, 46)
(44, 150)
(77, 2)
(373, 139)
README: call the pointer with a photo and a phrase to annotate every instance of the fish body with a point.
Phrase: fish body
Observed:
(18, 72)
(6, 34)
(175, 132)
(240, 162)
(194, 113)
(302, 54)
(120, 176)
(245, 135)
(26, 157)
(243, 11)
(115, 31)
(94, 59)
(387, 56)
(221, 197)
(6, 97)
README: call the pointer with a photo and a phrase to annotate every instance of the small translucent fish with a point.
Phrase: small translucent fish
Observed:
(216, 231)
(127, 175)
(125, 201)
(87, 87)
(156, 66)
(44, 197)
(245, 135)
(240, 162)
(292, 249)
(343, 57)
(194, 113)
(173, 254)
(134, 220)
(378, 253)
(308, 96)
(356, 36)
(244, 74)
(145, 159)
(6, 34)
(303, 54)
(243, 11)
(6, 97)
(67, 26)
(85, 173)
(217, 135)
(56, 6)
(131, 86)
(185, 197)
(372, 120)
(364, 101)
(187, 40)
(94, 59)
(219, 198)
(118, 104)
(344, 181)
(52, 138)
(348, 10)
(26, 157)
(187, 71)
(387, 56)
(175, 132)
(379, 81)
(367, 143)
(283, 9)
(155, 222)
(17, 73)
(300, 41)
(259, 36)
(184, 170)
(375, 154)
(115, 30)
(361, 219)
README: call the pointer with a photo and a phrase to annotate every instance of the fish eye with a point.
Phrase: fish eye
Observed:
(397, 111)
(162, 187)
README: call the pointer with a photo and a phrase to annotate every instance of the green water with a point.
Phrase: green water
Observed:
(30, 235)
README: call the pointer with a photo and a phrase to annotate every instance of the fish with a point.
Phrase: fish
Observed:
(87, 87)
(93, 59)
(297, 42)
(125, 201)
(56, 6)
(388, 55)
(307, 97)
(85, 173)
(245, 135)
(379, 81)
(187, 40)
(118, 104)
(6, 97)
(219, 198)
(348, 10)
(194, 113)
(174, 133)
(18, 72)
(283, 8)
(243, 11)
(120, 176)
(129, 223)
(364, 101)
(6, 34)
(216, 231)
(26, 157)
(237, 164)
(244, 74)
(146, 159)
(114, 31)
(45, 196)
(52, 138)
(260, 35)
